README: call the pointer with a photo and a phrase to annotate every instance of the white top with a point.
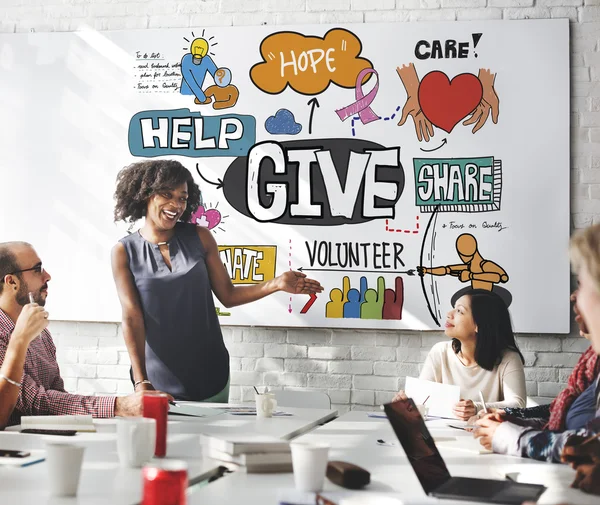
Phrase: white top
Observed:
(503, 387)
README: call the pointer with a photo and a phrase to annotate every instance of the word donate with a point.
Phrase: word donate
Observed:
(249, 264)
(308, 64)
(181, 132)
(458, 184)
(316, 182)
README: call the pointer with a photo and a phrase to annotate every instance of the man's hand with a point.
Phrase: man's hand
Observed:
(32, 320)
(576, 453)
(588, 479)
(131, 405)
(464, 409)
(486, 427)
(400, 395)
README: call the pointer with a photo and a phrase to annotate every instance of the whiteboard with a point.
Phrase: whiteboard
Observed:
(302, 163)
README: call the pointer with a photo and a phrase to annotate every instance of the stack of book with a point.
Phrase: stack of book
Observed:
(250, 453)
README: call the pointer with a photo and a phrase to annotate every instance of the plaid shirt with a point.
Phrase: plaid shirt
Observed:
(43, 390)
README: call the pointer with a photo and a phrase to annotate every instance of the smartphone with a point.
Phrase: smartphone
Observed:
(65, 433)
(7, 453)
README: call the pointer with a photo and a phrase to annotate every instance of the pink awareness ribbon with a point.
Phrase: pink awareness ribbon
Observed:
(363, 102)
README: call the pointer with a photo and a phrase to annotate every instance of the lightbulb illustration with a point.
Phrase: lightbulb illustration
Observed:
(199, 49)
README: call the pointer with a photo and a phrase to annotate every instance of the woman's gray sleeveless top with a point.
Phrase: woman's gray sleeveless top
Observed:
(185, 353)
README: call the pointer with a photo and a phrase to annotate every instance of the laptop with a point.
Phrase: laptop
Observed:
(432, 472)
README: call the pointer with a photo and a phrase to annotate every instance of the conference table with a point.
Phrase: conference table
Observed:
(104, 481)
(355, 437)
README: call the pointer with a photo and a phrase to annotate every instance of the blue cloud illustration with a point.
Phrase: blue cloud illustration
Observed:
(283, 123)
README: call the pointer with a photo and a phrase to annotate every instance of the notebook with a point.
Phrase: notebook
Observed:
(235, 444)
(83, 423)
(193, 410)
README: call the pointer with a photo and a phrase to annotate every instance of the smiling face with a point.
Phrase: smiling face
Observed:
(166, 207)
(459, 321)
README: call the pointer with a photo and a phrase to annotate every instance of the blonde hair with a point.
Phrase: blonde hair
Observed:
(585, 252)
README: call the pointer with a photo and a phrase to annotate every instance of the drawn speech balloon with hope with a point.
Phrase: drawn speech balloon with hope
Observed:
(308, 64)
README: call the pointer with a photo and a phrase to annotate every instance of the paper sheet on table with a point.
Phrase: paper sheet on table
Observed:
(442, 397)
(194, 410)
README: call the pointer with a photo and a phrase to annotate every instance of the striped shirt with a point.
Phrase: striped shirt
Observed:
(43, 390)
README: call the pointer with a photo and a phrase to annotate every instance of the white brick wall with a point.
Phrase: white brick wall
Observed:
(358, 370)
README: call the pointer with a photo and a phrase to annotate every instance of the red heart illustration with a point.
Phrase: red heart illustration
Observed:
(446, 102)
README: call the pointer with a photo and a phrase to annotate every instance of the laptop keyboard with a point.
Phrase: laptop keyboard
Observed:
(465, 486)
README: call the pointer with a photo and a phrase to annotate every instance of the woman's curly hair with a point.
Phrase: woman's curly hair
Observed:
(139, 181)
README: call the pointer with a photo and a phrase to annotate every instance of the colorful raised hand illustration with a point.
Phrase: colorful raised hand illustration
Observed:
(365, 303)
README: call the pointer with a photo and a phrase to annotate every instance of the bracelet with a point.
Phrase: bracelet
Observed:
(10, 381)
(145, 381)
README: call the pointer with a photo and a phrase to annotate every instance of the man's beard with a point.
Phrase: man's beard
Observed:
(23, 296)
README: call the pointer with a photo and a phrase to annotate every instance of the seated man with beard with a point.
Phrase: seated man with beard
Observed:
(22, 319)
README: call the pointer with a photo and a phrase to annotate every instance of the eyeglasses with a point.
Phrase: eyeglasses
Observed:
(38, 269)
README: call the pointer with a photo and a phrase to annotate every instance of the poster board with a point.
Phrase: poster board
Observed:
(356, 153)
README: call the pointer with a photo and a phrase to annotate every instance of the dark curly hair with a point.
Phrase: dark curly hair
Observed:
(139, 181)
(494, 329)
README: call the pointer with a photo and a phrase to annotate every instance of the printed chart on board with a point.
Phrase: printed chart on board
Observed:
(398, 164)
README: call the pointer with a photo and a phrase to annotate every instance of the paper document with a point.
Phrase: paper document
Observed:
(442, 397)
(67, 422)
(194, 410)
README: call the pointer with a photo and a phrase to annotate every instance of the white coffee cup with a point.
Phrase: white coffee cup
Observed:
(64, 467)
(310, 464)
(265, 404)
(136, 439)
(423, 410)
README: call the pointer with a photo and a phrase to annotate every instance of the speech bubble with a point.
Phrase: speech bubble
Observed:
(308, 64)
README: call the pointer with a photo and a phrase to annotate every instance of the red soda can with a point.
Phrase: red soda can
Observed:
(165, 483)
(156, 406)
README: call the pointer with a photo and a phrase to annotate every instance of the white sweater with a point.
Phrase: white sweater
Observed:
(503, 387)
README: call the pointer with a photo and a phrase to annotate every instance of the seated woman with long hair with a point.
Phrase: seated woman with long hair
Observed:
(482, 355)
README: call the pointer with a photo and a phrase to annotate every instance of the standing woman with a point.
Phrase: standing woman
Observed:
(166, 273)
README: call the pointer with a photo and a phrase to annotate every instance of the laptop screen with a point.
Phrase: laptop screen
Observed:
(418, 444)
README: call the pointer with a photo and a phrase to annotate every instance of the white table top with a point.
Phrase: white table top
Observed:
(353, 438)
(104, 481)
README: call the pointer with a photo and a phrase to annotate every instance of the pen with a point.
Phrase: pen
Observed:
(595, 437)
(483, 402)
(173, 403)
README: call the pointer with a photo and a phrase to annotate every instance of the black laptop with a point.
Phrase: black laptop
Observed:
(432, 471)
